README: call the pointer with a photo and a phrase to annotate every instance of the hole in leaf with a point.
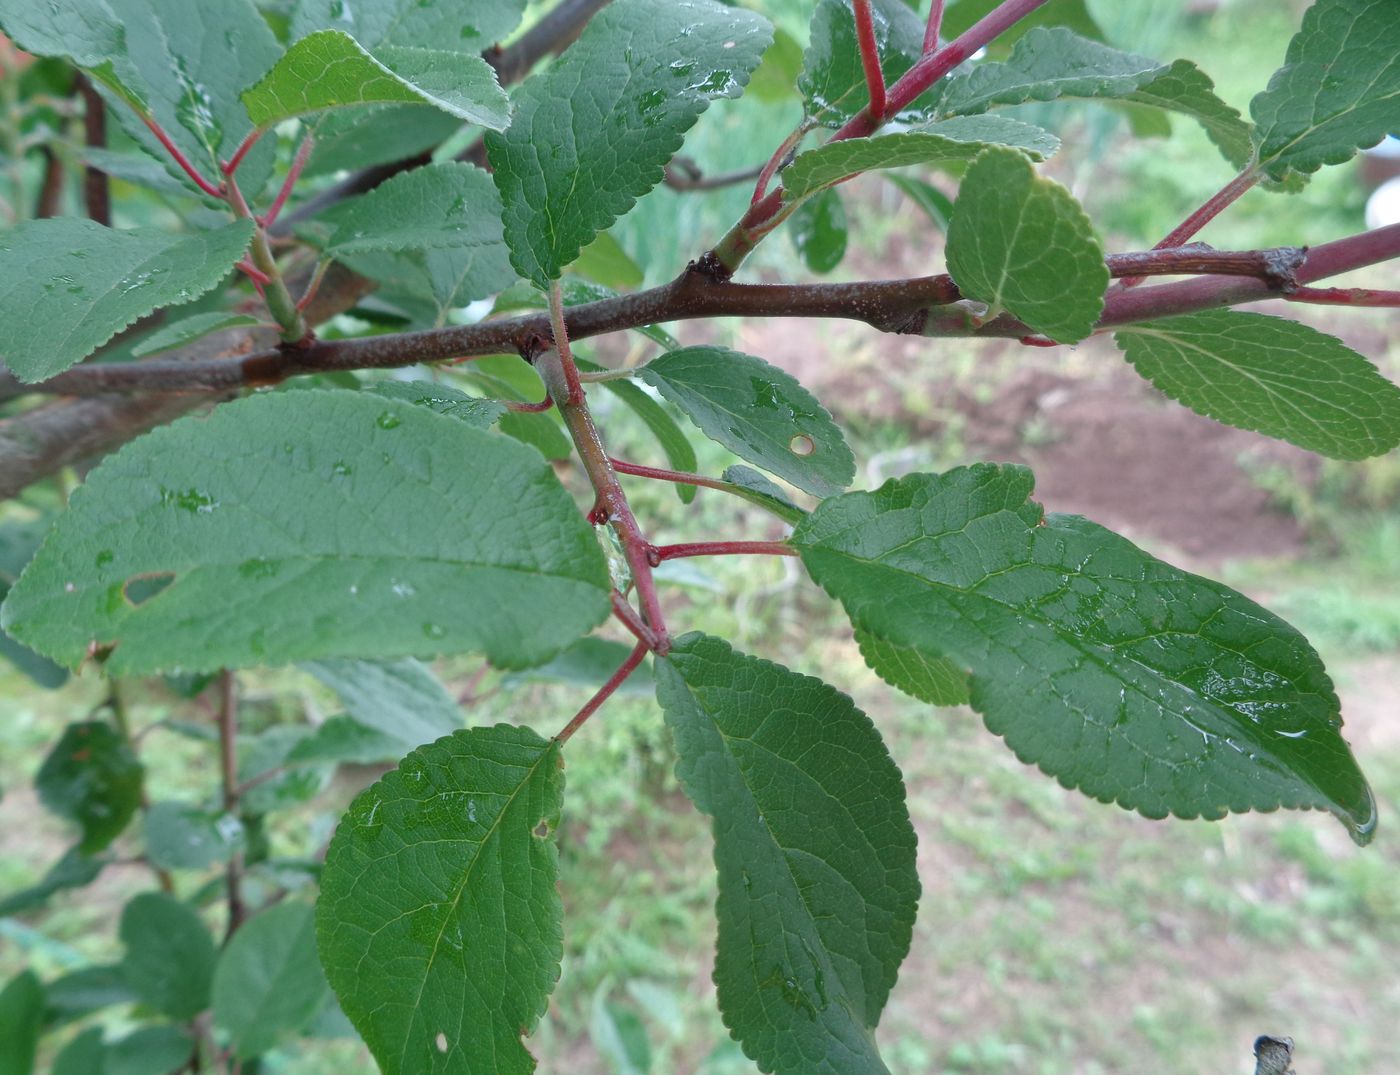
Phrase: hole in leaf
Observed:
(802, 445)
(542, 829)
(141, 588)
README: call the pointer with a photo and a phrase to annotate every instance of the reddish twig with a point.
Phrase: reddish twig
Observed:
(605, 692)
(935, 24)
(1343, 296)
(661, 553)
(657, 473)
(248, 269)
(293, 173)
(179, 158)
(870, 58)
(529, 408)
(627, 616)
(250, 140)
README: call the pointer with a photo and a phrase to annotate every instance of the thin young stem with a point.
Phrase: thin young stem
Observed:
(611, 506)
(627, 616)
(279, 300)
(314, 284)
(529, 408)
(560, 332)
(870, 58)
(293, 173)
(1212, 207)
(1343, 296)
(781, 154)
(680, 477)
(724, 259)
(605, 692)
(180, 159)
(228, 767)
(935, 25)
(253, 273)
(662, 553)
(231, 165)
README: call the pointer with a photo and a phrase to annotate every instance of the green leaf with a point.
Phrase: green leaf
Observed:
(73, 870)
(439, 917)
(1338, 90)
(400, 698)
(291, 526)
(444, 399)
(169, 960)
(1271, 375)
(81, 992)
(463, 25)
(1021, 243)
(83, 1055)
(329, 69)
(1047, 64)
(19, 540)
(936, 205)
(343, 738)
(814, 850)
(183, 64)
(818, 230)
(93, 777)
(439, 206)
(603, 260)
(592, 133)
(152, 1050)
(958, 139)
(268, 982)
(587, 663)
(757, 489)
(619, 1034)
(87, 283)
(181, 836)
(680, 453)
(832, 82)
(1185, 89)
(188, 329)
(1074, 14)
(1116, 673)
(919, 674)
(775, 79)
(21, 1019)
(348, 141)
(757, 411)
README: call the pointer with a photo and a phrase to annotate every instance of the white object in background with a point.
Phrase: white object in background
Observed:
(1383, 207)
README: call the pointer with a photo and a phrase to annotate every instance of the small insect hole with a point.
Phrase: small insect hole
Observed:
(141, 588)
(542, 829)
(802, 445)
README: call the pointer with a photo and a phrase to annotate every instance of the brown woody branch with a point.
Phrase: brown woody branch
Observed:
(922, 306)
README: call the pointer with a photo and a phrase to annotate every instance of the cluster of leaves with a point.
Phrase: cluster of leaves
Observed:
(363, 528)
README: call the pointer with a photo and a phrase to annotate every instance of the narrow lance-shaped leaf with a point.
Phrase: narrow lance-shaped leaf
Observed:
(329, 69)
(1113, 671)
(1338, 90)
(814, 849)
(958, 139)
(93, 777)
(1270, 375)
(1021, 243)
(439, 917)
(593, 132)
(85, 283)
(757, 411)
(314, 524)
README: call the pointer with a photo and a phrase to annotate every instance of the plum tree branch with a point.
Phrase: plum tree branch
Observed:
(920, 306)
